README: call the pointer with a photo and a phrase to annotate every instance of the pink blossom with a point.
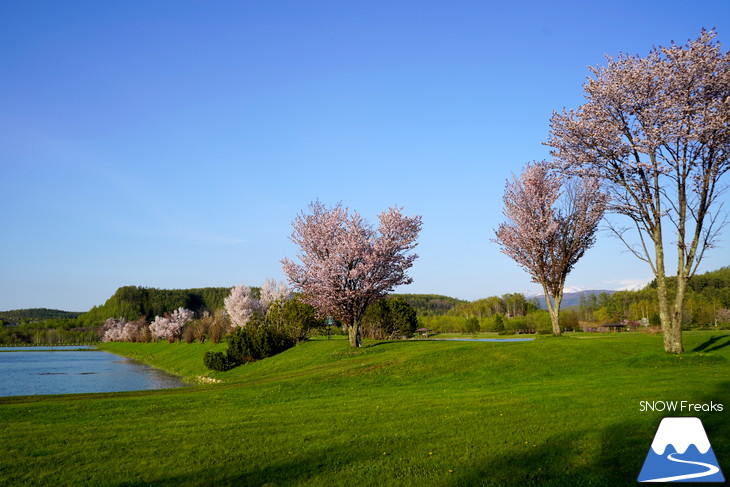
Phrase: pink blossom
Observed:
(170, 326)
(656, 131)
(347, 264)
(551, 223)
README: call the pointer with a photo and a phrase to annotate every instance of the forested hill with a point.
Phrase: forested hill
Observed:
(430, 304)
(133, 302)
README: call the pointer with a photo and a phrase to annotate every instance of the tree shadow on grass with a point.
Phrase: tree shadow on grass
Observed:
(562, 460)
(623, 448)
(713, 343)
(717, 426)
(568, 458)
(302, 469)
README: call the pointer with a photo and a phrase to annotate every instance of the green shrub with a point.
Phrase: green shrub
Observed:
(540, 322)
(569, 320)
(388, 318)
(472, 325)
(218, 361)
(442, 323)
(293, 318)
(498, 323)
(251, 343)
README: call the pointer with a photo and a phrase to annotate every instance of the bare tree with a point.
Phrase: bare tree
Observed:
(346, 264)
(656, 131)
(551, 223)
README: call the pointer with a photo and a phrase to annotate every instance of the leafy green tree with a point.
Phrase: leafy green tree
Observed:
(387, 318)
(472, 325)
(294, 318)
(403, 317)
(498, 323)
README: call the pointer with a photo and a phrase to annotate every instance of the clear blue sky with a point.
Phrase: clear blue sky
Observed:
(171, 143)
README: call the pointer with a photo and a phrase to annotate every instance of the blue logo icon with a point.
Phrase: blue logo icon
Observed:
(681, 452)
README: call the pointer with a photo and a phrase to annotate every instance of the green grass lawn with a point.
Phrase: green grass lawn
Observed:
(555, 411)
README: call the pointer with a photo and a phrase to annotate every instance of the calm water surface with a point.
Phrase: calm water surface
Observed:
(42, 370)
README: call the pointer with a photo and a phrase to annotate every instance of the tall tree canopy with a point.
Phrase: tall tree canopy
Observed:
(347, 264)
(551, 223)
(656, 130)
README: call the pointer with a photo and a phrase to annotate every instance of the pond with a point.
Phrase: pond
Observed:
(69, 370)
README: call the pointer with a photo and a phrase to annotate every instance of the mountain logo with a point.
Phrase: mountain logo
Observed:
(681, 452)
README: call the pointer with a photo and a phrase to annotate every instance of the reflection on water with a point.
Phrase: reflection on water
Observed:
(41, 371)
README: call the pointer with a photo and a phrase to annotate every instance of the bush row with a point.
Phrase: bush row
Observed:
(248, 344)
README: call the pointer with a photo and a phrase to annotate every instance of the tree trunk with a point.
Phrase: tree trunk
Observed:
(555, 314)
(662, 296)
(675, 336)
(354, 332)
(553, 304)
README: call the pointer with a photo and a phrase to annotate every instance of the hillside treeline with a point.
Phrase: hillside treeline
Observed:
(512, 312)
(129, 302)
(133, 302)
(431, 304)
(707, 302)
(35, 314)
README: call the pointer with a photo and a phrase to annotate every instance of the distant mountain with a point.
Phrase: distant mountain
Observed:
(571, 298)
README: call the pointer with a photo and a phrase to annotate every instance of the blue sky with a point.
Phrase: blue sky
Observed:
(170, 144)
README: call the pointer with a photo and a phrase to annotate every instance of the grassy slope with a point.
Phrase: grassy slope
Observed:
(549, 412)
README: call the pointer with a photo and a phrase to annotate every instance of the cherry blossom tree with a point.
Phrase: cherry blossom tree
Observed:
(551, 223)
(114, 330)
(181, 316)
(346, 264)
(160, 327)
(240, 306)
(120, 330)
(170, 326)
(656, 131)
(273, 291)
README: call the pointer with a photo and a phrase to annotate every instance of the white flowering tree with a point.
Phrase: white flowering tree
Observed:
(241, 306)
(170, 326)
(114, 330)
(273, 291)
